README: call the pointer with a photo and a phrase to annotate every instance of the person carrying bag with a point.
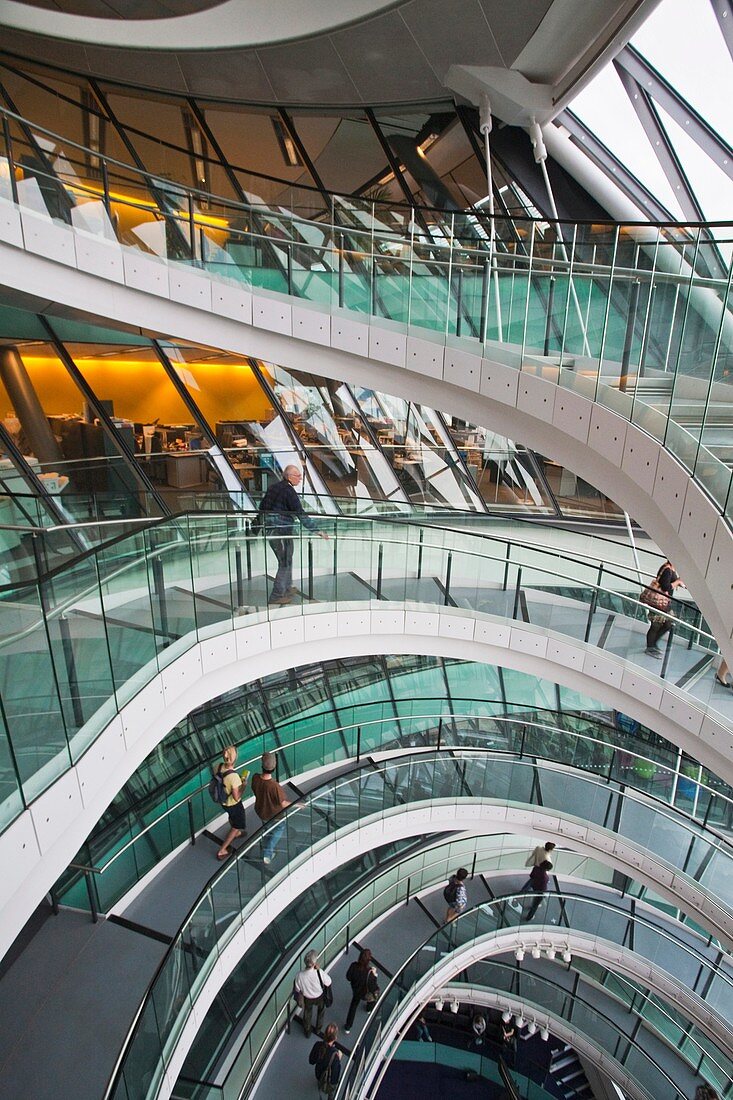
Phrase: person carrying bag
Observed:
(362, 977)
(657, 596)
(325, 1057)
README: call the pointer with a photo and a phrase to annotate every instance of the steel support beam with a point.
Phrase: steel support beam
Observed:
(662, 92)
(661, 145)
(724, 14)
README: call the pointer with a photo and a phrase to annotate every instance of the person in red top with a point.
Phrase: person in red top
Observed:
(269, 800)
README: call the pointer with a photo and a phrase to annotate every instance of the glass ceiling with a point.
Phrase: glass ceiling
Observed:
(683, 41)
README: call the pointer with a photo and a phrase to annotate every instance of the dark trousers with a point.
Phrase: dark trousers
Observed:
(283, 551)
(309, 1003)
(533, 907)
(657, 628)
(351, 1014)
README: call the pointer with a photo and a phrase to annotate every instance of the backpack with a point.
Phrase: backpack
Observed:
(217, 790)
(450, 893)
(324, 1081)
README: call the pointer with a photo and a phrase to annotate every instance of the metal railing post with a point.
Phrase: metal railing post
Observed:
(71, 674)
(91, 894)
(191, 826)
(358, 744)
(159, 587)
(548, 318)
(11, 160)
(449, 566)
(105, 188)
(240, 578)
(485, 300)
(289, 254)
(310, 570)
(629, 337)
(459, 300)
(419, 553)
(591, 613)
(341, 273)
(191, 228)
(516, 592)
(380, 563)
(667, 652)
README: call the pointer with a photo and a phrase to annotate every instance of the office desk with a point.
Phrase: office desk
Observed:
(184, 469)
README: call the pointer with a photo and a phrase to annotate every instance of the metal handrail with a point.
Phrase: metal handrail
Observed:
(397, 980)
(728, 840)
(168, 185)
(396, 520)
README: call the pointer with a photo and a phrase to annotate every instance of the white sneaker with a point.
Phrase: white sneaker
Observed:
(347, 1031)
(516, 906)
(266, 859)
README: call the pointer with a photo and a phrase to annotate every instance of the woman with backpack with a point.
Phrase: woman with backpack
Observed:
(362, 977)
(455, 894)
(227, 788)
(325, 1057)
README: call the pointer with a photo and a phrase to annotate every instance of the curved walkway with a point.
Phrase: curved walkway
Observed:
(73, 954)
(49, 262)
(40, 843)
(407, 796)
(485, 931)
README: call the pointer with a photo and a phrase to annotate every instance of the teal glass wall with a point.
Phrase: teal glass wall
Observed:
(348, 708)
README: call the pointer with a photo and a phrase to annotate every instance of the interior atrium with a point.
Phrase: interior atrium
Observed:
(366, 466)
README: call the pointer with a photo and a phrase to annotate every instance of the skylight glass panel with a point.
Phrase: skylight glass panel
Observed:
(681, 39)
(713, 189)
(607, 111)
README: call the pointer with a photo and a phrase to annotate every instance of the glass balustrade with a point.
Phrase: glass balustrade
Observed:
(155, 831)
(84, 639)
(497, 921)
(485, 1065)
(385, 789)
(594, 1015)
(696, 1044)
(342, 925)
(635, 316)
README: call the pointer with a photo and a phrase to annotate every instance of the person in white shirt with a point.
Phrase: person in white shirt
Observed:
(540, 854)
(310, 989)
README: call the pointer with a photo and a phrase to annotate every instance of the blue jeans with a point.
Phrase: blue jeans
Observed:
(283, 551)
(269, 844)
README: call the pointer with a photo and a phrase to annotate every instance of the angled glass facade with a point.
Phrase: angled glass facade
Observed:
(132, 463)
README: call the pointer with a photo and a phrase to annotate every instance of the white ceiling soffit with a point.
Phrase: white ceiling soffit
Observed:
(229, 23)
(360, 51)
(572, 42)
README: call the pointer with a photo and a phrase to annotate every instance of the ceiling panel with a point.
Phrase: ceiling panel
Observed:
(451, 33)
(384, 61)
(234, 69)
(137, 67)
(308, 72)
(513, 24)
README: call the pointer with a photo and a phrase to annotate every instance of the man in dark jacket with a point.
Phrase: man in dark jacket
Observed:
(279, 509)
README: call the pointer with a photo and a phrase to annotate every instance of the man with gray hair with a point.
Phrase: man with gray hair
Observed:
(310, 991)
(279, 508)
